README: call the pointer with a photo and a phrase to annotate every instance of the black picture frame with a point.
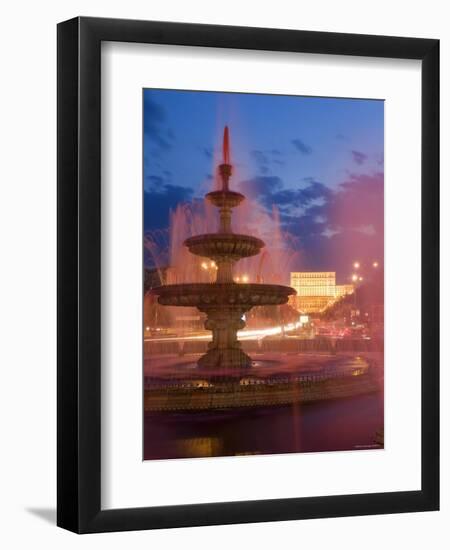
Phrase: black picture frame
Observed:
(79, 275)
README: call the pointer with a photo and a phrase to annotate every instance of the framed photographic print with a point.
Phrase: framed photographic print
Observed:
(248, 255)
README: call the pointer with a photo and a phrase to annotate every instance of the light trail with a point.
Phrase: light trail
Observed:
(242, 334)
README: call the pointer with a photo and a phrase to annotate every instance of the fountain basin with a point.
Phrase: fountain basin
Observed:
(219, 245)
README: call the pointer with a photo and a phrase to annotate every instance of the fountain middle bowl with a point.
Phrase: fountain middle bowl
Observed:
(205, 296)
(217, 245)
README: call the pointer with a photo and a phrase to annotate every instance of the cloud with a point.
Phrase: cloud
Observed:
(301, 146)
(356, 205)
(261, 187)
(155, 125)
(358, 157)
(359, 203)
(208, 152)
(154, 182)
(366, 229)
(336, 251)
(259, 156)
(264, 159)
(159, 200)
(319, 215)
(303, 196)
(270, 191)
(346, 223)
(261, 159)
(380, 159)
(329, 232)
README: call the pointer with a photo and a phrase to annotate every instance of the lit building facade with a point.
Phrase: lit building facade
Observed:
(316, 290)
(343, 290)
(314, 283)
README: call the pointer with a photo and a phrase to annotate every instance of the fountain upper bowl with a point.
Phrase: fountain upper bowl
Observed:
(228, 198)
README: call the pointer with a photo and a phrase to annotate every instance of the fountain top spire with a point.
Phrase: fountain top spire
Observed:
(226, 146)
(225, 168)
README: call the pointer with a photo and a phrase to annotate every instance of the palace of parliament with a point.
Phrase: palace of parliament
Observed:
(316, 290)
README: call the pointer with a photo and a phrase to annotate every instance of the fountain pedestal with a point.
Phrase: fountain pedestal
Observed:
(224, 350)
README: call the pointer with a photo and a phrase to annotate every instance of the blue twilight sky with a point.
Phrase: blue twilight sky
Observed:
(319, 160)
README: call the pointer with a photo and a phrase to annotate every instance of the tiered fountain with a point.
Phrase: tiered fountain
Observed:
(224, 301)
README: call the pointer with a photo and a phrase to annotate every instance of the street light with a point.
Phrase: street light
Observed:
(354, 278)
(356, 265)
(245, 278)
(360, 279)
(375, 264)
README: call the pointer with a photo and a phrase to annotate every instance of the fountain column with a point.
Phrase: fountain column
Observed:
(225, 263)
(224, 350)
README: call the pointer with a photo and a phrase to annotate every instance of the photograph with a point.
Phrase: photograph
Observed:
(263, 274)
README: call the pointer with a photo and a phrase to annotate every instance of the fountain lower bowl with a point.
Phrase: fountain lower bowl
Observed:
(210, 295)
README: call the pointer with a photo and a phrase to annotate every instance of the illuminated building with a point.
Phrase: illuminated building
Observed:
(343, 290)
(316, 290)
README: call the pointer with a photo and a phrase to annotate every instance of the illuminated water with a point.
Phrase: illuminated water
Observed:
(344, 424)
(273, 265)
